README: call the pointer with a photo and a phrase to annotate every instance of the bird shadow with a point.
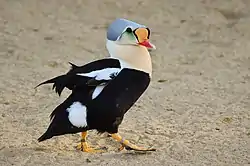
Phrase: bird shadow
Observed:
(125, 155)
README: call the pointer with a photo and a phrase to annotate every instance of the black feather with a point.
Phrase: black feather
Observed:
(59, 121)
(44, 137)
(73, 66)
(70, 80)
(58, 83)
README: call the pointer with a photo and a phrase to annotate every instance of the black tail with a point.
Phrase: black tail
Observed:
(44, 137)
(59, 83)
(73, 66)
(59, 128)
(59, 121)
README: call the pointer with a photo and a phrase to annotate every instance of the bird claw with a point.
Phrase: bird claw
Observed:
(86, 148)
(127, 145)
(121, 148)
(135, 148)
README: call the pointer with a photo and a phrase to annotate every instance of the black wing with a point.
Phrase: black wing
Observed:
(72, 78)
(109, 107)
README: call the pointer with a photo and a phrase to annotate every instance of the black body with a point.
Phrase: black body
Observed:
(104, 113)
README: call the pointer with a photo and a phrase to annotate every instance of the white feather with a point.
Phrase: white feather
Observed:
(103, 74)
(77, 114)
(97, 91)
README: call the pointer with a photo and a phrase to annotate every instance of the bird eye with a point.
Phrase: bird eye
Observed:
(129, 30)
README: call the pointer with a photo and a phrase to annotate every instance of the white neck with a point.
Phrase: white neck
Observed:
(131, 56)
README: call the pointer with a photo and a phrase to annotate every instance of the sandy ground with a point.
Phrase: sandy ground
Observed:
(195, 112)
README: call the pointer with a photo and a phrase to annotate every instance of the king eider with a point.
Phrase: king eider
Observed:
(104, 90)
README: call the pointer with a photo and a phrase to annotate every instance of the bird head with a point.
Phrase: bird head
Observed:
(125, 32)
(129, 42)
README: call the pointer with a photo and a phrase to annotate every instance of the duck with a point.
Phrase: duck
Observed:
(103, 90)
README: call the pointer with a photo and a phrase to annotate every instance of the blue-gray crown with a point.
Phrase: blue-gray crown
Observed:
(117, 27)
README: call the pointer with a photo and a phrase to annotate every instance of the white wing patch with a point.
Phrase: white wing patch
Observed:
(104, 74)
(97, 91)
(77, 114)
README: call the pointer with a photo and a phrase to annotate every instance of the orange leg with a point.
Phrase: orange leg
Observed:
(83, 146)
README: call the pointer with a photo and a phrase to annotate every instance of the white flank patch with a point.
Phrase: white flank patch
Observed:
(103, 74)
(97, 91)
(77, 114)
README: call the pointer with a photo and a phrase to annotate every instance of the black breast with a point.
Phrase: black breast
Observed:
(106, 112)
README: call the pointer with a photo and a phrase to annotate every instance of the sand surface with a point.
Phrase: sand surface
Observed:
(195, 112)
